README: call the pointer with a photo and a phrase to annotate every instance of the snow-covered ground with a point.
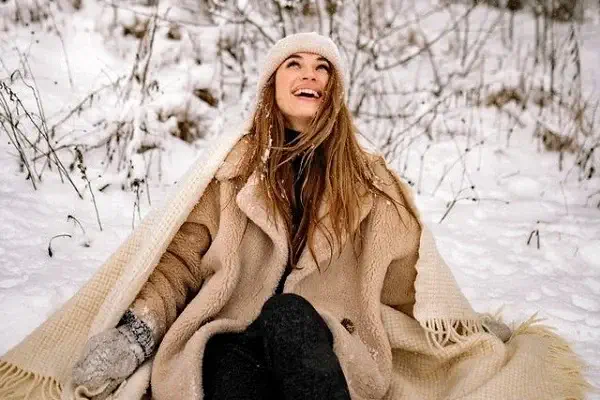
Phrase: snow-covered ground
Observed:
(529, 243)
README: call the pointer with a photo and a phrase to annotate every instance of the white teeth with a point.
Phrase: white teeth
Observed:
(307, 91)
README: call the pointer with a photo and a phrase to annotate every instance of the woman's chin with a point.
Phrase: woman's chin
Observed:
(305, 111)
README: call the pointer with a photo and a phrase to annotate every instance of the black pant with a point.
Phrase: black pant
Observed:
(286, 353)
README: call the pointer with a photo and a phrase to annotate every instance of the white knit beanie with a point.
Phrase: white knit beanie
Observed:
(307, 42)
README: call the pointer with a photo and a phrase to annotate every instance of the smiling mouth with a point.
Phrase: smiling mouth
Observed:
(308, 94)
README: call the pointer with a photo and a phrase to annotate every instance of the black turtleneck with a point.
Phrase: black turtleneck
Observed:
(298, 210)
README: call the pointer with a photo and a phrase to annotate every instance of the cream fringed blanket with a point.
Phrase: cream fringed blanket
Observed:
(534, 364)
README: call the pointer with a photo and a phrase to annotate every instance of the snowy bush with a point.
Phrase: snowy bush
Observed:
(26, 12)
(418, 73)
(559, 10)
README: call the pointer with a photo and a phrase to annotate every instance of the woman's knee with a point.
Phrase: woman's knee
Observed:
(286, 303)
(290, 313)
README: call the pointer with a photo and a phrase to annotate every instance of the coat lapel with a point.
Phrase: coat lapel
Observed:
(252, 202)
(323, 248)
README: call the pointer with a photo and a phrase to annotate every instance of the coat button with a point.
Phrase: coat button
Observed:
(349, 325)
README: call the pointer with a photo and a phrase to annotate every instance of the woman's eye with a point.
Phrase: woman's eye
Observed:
(323, 66)
(293, 64)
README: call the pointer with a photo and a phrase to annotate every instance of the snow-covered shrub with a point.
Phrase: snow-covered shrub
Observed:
(558, 10)
(23, 122)
(181, 33)
(135, 128)
(25, 12)
(170, 93)
(417, 71)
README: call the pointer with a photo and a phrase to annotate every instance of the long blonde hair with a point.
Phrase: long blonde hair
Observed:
(332, 160)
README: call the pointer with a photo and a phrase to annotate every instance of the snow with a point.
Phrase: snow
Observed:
(593, 285)
(491, 243)
(585, 303)
(590, 254)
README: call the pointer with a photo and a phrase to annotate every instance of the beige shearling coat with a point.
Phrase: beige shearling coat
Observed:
(228, 257)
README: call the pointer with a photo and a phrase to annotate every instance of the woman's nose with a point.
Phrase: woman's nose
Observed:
(308, 74)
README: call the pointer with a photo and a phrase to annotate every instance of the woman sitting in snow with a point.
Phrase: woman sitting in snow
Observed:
(290, 264)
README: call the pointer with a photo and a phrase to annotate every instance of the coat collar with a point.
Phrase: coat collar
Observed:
(252, 201)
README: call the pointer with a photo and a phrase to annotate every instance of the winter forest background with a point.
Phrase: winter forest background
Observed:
(489, 109)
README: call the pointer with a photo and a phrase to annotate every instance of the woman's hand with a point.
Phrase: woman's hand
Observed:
(112, 356)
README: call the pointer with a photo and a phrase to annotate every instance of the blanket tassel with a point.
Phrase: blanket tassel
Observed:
(567, 366)
(17, 384)
(441, 332)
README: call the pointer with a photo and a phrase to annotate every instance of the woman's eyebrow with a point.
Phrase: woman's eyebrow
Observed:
(298, 57)
(294, 56)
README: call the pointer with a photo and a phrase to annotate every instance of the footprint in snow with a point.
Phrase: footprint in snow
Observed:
(585, 303)
(593, 322)
(546, 291)
(566, 315)
(524, 187)
(505, 270)
(533, 296)
(590, 253)
(593, 285)
(7, 283)
(545, 269)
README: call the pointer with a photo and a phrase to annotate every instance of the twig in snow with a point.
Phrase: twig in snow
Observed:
(562, 189)
(150, 45)
(592, 195)
(118, 5)
(8, 118)
(64, 50)
(434, 67)
(428, 44)
(77, 222)
(458, 160)
(78, 108)
(136, 185)
(83, 169)
(422, 159)
(50, 252)
(536, 233)
(451, 205)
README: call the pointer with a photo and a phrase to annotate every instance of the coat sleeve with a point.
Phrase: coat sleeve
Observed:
(179, 274)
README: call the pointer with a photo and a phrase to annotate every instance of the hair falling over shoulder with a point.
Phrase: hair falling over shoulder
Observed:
(333, 164)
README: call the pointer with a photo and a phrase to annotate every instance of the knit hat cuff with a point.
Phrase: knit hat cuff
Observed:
(307, 42)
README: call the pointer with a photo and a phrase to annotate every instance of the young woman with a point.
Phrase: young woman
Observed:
(296, 194)
(297, 268)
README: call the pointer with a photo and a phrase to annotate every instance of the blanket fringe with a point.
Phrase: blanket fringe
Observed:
(567, 367)
(18, 384)
(441, 332)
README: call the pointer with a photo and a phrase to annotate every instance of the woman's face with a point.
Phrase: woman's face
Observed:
(300, 83)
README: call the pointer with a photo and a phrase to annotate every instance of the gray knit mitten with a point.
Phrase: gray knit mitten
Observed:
(113, 355)
(500, 329)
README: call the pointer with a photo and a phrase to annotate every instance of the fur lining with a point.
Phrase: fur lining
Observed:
(232, 166)
(136, 386)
